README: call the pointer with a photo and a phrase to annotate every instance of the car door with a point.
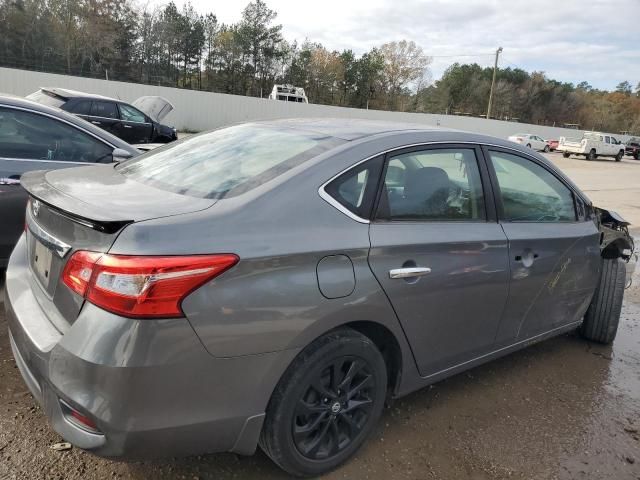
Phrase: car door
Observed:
(33, 141)
(439, 254)
(136, 126)
(105, 115)
(554, 252)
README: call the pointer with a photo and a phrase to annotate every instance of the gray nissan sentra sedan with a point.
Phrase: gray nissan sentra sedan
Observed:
(275, 283)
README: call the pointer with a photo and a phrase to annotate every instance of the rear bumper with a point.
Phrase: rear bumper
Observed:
(150, 386)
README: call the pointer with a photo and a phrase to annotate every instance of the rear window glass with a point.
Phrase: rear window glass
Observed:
(227, 162)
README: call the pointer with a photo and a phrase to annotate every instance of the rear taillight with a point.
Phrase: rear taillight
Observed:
(78, 419)
(141, 287)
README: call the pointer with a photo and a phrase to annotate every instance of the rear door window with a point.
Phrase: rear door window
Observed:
(438, 184)
(104, 109)
(82, 107)
(228, 161)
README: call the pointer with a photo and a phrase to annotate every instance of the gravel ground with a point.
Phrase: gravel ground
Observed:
(561, 409)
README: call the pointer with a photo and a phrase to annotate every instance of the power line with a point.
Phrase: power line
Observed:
(464, 55)
(511, 63)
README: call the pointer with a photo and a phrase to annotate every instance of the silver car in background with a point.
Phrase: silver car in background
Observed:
(275, 283)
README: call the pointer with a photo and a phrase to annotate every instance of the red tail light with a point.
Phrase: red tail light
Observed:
(141, 287)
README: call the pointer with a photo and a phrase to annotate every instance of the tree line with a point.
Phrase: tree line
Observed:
(183, 48)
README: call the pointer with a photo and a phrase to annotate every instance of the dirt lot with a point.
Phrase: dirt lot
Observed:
(562, 409)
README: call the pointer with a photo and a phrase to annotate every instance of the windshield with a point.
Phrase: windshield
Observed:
(227, 162)
(47, 99)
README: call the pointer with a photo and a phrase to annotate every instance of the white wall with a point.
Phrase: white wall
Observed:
(199, 111)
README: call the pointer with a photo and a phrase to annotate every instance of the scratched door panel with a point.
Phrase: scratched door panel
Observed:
(553, 286)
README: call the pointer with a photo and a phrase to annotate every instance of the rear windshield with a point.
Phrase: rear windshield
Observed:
(227, 162)
(47, 99)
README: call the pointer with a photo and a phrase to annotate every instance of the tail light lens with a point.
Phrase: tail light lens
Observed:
(78, 419)
(141, 287)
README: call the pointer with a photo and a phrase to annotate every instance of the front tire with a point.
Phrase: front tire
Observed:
(619, 156)
(566, 154)
(601, 321)
(326, 404)
(547, 149)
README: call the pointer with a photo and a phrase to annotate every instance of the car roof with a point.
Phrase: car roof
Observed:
(353, 129)
(68, 93)
(347, 128)
(397, 133)
(23, 103)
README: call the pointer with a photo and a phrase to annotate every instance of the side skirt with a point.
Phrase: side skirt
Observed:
(448, 372)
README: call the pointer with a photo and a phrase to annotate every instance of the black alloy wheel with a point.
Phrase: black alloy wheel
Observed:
(334, 408)
(326, 404)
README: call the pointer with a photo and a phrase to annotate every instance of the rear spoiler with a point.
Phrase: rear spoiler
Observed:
(90, 216)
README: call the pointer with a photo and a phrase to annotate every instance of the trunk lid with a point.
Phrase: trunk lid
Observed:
(156, 107)
(102, 194)
(84, 208)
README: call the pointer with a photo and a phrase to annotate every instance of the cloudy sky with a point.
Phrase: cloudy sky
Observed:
(571, 40)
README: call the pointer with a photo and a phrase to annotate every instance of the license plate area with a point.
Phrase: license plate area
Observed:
(42, 260)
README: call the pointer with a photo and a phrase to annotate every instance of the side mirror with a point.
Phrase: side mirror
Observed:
(119, 155)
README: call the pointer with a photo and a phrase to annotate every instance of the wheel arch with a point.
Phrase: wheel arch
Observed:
(617, 248)
(385, 340)
(402, 373)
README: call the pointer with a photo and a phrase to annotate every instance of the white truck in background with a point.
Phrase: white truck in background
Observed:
(592, 145)
(288, 93)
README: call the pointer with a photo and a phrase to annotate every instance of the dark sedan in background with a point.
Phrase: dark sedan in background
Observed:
(136, 123)
(38, 137)
(632, 148)
(274, 283)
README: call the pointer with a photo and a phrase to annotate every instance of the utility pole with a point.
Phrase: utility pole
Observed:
(493, 82)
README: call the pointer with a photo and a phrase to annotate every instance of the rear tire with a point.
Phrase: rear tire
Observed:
(326, 404)
(547, 149)
(601, 321)
(636, 156)
(528, 145)
(566, 154)
(592, 154)
(619, 156)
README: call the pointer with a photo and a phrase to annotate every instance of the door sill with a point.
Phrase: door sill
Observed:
(507, 349)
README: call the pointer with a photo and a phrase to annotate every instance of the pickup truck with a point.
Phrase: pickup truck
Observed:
(632, 148)
(592, 145)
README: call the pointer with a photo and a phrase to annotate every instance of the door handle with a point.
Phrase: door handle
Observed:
(409, 272)
(128, 126)
(95, 123)
(527, 258)
(520, 258)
